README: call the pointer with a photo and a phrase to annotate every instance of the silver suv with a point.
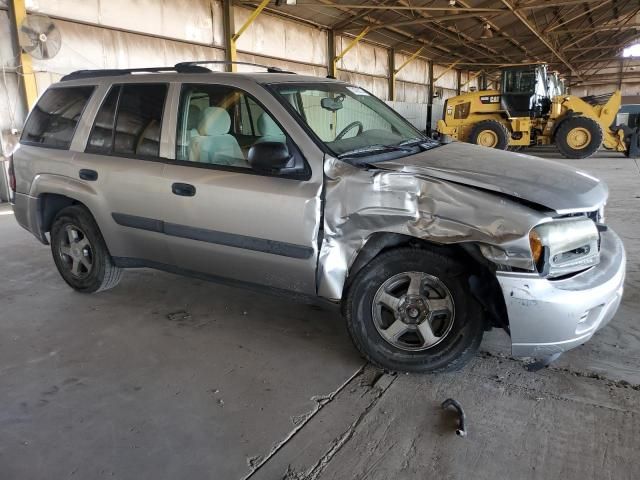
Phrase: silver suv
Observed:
(315, 187)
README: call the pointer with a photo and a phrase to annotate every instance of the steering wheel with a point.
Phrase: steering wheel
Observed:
(344, 131)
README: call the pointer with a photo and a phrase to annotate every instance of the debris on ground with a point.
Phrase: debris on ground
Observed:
(450, 402)
(180, 316)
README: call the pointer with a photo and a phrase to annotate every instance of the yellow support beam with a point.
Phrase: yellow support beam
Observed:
(30, 89)
(232, 54)
(351, 44)
(395, 72)
(449, 68)
(251, 19)
(472, 78)
(409, 60)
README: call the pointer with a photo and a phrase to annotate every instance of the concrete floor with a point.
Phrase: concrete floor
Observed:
(253, 386)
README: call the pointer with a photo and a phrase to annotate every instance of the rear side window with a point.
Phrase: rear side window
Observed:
(55, 117)
(101, 136)
(129, 121)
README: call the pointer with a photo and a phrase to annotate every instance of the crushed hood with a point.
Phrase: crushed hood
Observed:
(544, 182)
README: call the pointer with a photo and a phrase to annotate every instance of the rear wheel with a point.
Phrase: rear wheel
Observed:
(490, 133)
(412, 310)
(80, 253)
(578, 137)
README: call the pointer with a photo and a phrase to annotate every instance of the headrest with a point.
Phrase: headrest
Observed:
(268, 126)
(152, 132)
(193, 117)
(215, 121)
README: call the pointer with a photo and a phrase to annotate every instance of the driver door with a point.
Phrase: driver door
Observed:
(227, 219)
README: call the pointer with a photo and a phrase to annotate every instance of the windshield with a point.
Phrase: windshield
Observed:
(350, 121)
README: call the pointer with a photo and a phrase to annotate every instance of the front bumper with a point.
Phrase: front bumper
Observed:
(552, 316)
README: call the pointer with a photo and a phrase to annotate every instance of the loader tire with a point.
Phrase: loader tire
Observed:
(578, 137)
(490, 133)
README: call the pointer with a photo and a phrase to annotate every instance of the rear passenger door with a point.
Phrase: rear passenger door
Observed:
(122, 162)
(227, 219)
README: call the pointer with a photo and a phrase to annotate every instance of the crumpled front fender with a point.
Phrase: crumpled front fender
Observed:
(361, 202)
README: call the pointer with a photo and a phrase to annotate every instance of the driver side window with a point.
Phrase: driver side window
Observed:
(219, 125)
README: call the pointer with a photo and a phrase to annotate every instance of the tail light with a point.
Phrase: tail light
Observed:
(12, 175)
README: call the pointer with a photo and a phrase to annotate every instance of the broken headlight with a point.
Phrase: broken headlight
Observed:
(565, 246)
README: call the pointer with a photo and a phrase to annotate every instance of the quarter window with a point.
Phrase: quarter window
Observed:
(54, 119)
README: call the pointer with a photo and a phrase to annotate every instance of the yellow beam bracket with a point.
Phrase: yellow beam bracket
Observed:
(449, 68)
(30, 88)
(409, 60)
(395, 72)
(351, 44)
(472, 78)
(242, 29)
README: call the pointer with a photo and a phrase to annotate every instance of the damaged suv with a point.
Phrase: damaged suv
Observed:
(316, 187)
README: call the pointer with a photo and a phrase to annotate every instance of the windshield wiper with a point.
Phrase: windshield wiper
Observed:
(413, 141)
(418, 141)
(376, 148)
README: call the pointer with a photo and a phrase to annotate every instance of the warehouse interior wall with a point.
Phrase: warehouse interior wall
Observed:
(96, 34)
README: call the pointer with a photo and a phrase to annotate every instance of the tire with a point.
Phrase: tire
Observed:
(578, 128)
(488, 128)
(80, 253)
(459, 335)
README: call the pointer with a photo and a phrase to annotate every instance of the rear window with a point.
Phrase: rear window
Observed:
(53, 120)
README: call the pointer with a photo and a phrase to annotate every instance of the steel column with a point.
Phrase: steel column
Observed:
(430, 99)
(228, 23)
(394, 71)
(231, 39)
(331, 54)
(392, 74)
(18, 13)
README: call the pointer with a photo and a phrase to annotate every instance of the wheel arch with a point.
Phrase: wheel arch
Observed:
(483, 281)
(567, 116)
(53, 193)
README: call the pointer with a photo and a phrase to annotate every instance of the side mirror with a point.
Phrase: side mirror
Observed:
(270, 157)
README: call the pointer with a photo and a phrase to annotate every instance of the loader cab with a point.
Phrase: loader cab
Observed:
(555, 84)
(525, 91)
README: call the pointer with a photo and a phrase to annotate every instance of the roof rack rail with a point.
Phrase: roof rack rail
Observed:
(180, 67)
(111, 72)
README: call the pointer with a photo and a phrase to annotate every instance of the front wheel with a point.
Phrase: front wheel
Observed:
(490, 133)
(412, 310)
(80, 253)
(578, 137)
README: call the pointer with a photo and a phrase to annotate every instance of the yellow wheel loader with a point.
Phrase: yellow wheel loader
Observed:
(531, 109)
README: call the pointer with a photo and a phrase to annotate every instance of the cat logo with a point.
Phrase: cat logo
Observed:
(490, 99)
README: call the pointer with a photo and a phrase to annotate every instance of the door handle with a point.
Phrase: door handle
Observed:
(90, 175)
(183, 189)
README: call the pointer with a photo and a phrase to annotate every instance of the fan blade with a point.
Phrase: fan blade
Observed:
(37, 52)
(52, 26)
(30, 48)
(45, 50)
(28, 30)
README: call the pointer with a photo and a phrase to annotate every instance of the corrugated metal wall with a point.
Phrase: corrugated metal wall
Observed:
(125, 33)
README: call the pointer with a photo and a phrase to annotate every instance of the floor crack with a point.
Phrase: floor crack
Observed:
(257, 462)
(382, 385)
